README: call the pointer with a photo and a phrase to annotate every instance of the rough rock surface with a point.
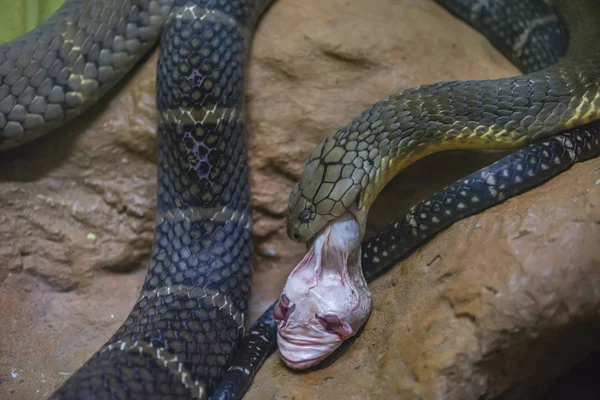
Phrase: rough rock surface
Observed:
(476, 312)
(498, 305)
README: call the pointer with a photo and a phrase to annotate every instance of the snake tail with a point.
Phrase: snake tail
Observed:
(183, 334)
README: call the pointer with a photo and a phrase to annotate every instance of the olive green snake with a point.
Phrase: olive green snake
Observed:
(355, 162)
(185, 330)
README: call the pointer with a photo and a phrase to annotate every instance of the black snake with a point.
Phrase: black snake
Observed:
(181, 337)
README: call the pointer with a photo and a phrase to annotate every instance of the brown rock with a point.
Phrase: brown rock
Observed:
(75, 232)
(498, 305)
(77, 213)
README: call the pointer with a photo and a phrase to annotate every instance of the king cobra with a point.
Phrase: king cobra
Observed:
(184, 337)
(326, 299)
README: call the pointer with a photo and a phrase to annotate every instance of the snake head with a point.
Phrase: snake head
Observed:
(325, 300)
(329, 186)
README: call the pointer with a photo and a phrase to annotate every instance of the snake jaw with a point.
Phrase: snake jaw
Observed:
(312, 207)
(304, 222)
(325, 300)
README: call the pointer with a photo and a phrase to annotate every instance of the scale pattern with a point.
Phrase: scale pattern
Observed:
(506, 23)
(58, 70)
(492, 185)
(354, 163)
(181, 337)
(191, 314)
(521, 30)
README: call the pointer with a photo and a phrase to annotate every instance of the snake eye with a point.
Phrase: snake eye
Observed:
(305, 215)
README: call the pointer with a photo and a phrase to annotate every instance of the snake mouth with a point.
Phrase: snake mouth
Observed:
(292, 335)
(304, 223)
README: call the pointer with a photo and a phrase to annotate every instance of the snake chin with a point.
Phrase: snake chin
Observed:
(325, 300)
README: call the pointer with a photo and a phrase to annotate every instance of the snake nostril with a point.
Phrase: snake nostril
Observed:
(296, 236)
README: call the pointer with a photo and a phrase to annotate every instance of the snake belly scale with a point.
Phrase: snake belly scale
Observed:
(188, 321)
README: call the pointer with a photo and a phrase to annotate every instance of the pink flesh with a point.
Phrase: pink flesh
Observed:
(325, 299)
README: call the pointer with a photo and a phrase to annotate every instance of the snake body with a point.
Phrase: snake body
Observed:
(191, 313)
(353, 164)
(492, 185)
(516, 173)
(55, 72)
(531, 36)
(180, 339)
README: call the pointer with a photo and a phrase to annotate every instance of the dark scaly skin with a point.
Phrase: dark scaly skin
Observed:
(492, 185)
(55, 72)
(521, 30)
(353, 164)
(190, 316)
(259, 342)
(121, 366)
(530, 35)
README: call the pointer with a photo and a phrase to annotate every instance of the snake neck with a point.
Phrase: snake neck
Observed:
(582, 20)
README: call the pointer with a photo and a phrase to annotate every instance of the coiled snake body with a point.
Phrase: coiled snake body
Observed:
(191, 313)
(186, 326)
